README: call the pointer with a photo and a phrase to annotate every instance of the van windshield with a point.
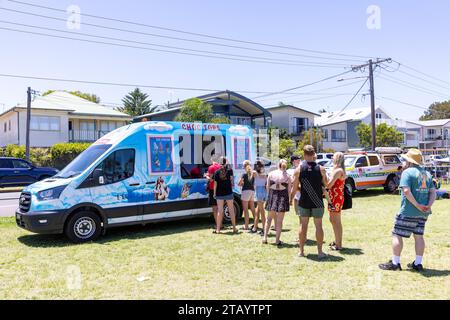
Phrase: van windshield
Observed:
(349, 161)
(84, 160)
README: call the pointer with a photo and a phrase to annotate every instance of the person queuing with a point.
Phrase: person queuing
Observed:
(210, 185)
(311, 178)
(418, 194)
(336, 193)
(223, 193)
(247, 183)
(295, 162)
(261, 195)
(278, 187)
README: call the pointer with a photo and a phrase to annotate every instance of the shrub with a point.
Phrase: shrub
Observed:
(15, 151)
(63, 153)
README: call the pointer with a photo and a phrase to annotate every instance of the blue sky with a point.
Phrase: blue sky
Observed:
(412, 32)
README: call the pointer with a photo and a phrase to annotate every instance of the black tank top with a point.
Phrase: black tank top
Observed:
(311, 186)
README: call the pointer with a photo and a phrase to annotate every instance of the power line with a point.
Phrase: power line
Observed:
(302, 86)
(177, 38)
(414, 105)
(133, 85)
(166, 51)
(422, 73)
(414, 86)
(192, 33)
(351, 100)
(311, 92)
(172, 47)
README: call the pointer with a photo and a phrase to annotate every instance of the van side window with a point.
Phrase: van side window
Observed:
(361, 162)
(391, 160)
(195, 153)
(19, 164)
(118, 166)
(374, 160)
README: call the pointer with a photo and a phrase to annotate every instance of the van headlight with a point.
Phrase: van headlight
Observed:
(50, 194)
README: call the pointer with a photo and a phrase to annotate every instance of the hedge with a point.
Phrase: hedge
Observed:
(58, 156)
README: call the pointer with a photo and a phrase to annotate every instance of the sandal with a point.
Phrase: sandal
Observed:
(280, 244)
(321, 256)
(264, 242)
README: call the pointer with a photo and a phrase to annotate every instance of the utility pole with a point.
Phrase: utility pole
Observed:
(372, 65)
(27, 141)
(372, 106)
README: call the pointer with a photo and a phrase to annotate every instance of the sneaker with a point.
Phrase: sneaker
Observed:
(413, 266)
(390, 266)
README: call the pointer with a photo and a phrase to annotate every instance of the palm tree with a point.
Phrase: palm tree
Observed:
(136, 103)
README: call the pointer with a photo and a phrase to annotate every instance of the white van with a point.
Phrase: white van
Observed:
(140, 173)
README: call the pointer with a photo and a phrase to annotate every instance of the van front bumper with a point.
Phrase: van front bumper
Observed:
(44, 222)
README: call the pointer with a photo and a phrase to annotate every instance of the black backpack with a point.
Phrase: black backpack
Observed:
(348, 193)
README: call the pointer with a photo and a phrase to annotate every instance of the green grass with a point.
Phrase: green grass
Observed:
(184, 260)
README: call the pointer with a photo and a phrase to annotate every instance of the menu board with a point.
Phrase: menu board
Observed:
(160, 154)
(241, 151)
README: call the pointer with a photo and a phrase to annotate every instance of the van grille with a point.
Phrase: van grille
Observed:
(25, 201)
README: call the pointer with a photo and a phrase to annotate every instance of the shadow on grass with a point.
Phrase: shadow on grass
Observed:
(351, 251)
(328, 258)
(431, 273)
(373, 192)
(121, 233)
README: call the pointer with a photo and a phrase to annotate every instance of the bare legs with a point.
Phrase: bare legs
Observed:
(220, 214)
(246, 205)
(214, 209)
(279, 226)
(335, 219)
(397, 245)
(271, 216)
(260, 214)
(304, 232)
(420, 245)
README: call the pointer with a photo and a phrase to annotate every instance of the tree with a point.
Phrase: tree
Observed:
(220, 120)
(438, 110)
(194, 110)
(387, 136)
(312, 137)
(136, 103)
(87, 96)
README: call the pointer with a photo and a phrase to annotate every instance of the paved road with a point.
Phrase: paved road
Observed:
(9, 203)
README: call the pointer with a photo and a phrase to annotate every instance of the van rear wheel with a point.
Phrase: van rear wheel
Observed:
(391, 185)
(237, 210)
(83, 226)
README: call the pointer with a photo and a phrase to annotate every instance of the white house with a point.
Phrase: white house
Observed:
(294, 119)
(59, 117)
(434, 133)
(339, 128)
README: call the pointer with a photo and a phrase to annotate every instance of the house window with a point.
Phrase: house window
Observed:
(338, 135)
(301, 125)
(108, 126)
(44, 123)
(87, 126)
(325, 134)
(9, 125)
(378, 116)
(431, 133)
(4, 127)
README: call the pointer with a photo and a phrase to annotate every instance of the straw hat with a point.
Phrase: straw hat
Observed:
(414, 156)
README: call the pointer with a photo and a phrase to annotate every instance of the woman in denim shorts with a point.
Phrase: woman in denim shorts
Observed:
(260, 194)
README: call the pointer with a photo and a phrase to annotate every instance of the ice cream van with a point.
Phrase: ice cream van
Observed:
(140, 173)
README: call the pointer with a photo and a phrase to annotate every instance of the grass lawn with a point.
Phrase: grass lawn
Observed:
(185, 260)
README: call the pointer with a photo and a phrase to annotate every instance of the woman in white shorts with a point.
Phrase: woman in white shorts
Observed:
(247, 182)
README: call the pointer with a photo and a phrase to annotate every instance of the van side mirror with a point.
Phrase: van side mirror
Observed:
(97, 176)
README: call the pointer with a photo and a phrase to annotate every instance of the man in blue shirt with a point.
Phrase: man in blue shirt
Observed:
(418, 195)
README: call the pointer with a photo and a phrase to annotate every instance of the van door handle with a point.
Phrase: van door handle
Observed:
(134, 184)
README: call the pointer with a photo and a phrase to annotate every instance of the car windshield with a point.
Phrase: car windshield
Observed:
(349, 161)
(84, 160)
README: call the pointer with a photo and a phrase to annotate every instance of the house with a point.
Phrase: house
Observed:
(339, 129)
(434, 133)
(59, 117)
(294, 119)
(236, 107)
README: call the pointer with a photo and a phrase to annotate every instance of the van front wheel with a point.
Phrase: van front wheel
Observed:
(83, 226)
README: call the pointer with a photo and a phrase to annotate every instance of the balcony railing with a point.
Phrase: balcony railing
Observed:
(85, 135)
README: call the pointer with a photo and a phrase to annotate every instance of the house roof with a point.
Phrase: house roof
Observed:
(291, 106)
(329, 118)
(433, 123)
(74, 105)
(242, 102)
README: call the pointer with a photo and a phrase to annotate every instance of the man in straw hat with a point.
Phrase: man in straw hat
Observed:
(418, 195)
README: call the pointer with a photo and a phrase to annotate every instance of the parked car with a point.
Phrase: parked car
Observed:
(16, 172)
(367, 170)
(269, 165)
(324, 156)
